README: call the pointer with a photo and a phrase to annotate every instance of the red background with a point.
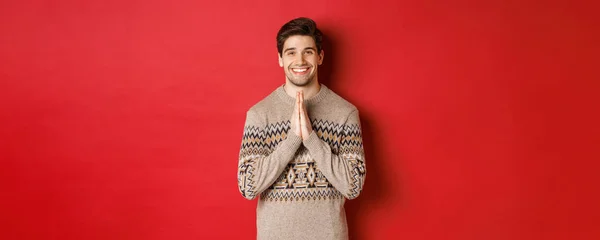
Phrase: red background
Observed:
(123, 119)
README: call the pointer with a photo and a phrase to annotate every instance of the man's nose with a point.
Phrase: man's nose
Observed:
(300, 58)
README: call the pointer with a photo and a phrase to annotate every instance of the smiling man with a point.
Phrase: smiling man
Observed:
(302, 150)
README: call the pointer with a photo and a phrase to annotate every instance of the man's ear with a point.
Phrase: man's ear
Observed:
(321, 56)
(280, 60)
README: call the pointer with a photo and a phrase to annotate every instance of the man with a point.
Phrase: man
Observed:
(302, 147)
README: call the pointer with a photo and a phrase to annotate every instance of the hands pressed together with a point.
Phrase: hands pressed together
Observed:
(300, 123)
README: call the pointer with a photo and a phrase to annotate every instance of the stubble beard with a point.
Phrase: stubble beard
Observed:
(302, 81)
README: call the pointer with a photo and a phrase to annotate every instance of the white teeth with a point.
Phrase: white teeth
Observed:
(300, 70)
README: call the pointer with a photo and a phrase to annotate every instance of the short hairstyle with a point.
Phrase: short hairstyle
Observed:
(299, 26)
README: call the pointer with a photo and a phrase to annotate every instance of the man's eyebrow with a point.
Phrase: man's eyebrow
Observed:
(293, 48)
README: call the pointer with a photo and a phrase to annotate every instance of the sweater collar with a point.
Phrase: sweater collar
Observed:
(323, 92)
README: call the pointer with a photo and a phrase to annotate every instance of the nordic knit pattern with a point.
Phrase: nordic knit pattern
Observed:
(302, 184)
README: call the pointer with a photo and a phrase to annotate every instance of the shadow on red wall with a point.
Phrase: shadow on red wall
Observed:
(376, 191)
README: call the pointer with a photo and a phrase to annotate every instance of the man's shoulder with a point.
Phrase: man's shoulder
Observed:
(339, 103)
(265, 104)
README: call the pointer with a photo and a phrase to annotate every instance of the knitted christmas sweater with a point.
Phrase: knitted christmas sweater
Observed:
(302, 184)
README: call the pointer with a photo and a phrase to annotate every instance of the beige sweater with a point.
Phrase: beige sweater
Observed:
(302, 184)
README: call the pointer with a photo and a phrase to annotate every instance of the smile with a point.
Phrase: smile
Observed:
(300, 70)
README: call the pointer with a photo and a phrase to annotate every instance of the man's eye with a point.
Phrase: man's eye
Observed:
(309, 52)
(291, 53)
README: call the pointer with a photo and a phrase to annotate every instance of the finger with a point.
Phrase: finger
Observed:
(302, 119)
(304, 112)
(298, 121)
(297, 110)
(299, 124)
(301, 100)
(303, 106)
(298, 101)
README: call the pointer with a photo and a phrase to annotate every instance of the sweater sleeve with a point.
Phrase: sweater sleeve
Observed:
(264, 154)
(346, 170)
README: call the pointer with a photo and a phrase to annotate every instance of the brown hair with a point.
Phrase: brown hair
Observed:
(299, 26)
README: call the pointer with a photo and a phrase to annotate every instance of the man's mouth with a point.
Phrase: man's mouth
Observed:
(300, 71)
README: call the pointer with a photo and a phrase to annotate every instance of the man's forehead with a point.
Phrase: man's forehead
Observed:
(299, 41)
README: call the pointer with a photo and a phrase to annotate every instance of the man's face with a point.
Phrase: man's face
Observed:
(300, 60)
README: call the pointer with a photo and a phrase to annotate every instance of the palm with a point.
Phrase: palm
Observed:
(300, 121)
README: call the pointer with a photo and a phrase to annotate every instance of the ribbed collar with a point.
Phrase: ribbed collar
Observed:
(323, 92)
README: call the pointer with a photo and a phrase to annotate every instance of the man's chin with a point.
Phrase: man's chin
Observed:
(300, 83)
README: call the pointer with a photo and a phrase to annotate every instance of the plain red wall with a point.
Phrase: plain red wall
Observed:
(123, 119)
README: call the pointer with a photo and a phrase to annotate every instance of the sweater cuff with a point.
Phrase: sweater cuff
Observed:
(291, 143)
(313, 143)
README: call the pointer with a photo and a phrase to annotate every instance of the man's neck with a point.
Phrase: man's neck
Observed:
(309, 90)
